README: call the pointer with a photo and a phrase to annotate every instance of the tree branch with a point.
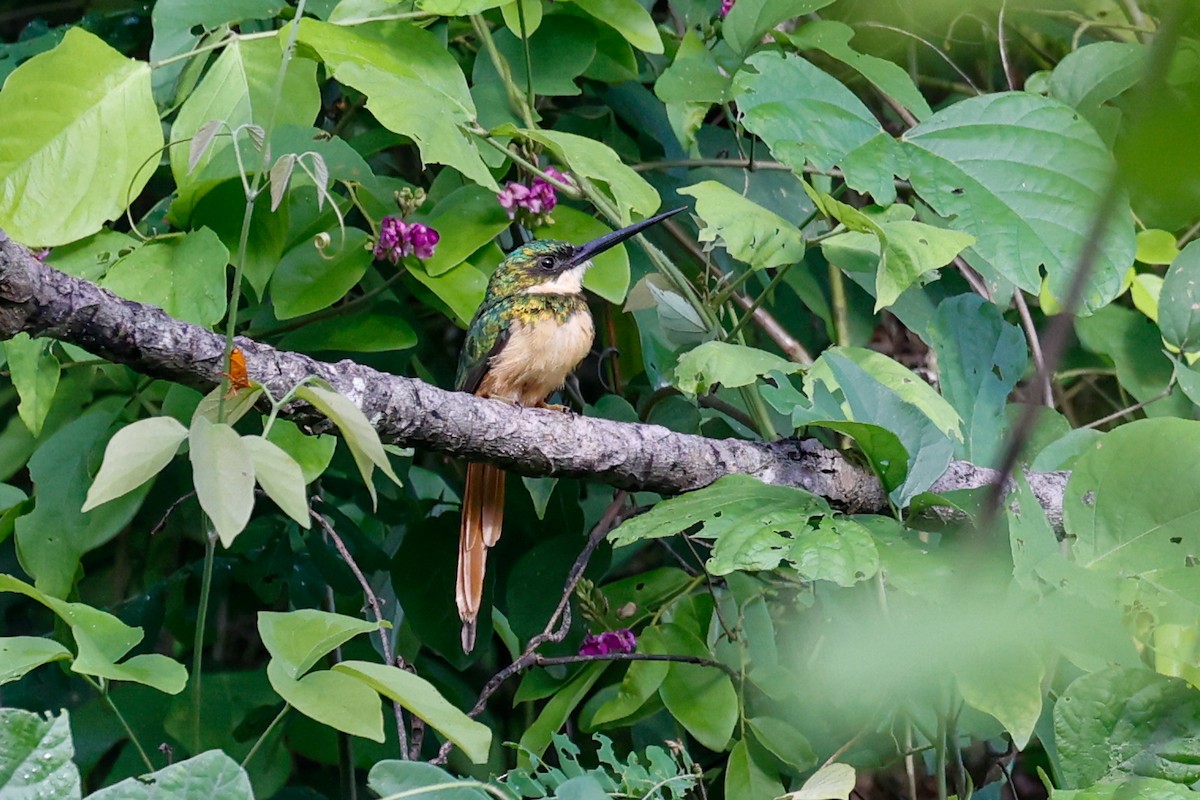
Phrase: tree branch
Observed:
(37, 299)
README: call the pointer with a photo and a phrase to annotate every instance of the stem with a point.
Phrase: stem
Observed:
(210, 552)
(544, 661)
(941, 758)
(758, 301)
(262, 738)
(1035, 347)
(514, 97)
(102, 688)
(837, 291)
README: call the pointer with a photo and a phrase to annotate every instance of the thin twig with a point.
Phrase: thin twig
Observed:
(559, 622)
(376, 610)
(1035, 347)
(1124, 412)
(973, 278)
(1008, 73)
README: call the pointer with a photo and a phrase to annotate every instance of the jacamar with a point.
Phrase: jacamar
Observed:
(532, 329)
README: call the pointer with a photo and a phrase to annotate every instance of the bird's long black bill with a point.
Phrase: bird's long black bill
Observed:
(595, 247)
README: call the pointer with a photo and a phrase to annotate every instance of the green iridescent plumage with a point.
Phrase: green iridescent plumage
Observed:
(506, 302)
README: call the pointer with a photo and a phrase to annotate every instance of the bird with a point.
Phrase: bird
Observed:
(532, 329)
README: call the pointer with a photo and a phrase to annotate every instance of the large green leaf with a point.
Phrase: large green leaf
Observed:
(727, 364)
(389, 778)
(52, 537)
(609, 275)
(238, 89)
(184, 276)
(299, 639)
(1024, 175)
(559, 53)
(308, 279)
(1130, 503)
(421, 698)
(536, 737)
(20, 654)
(1124, 722)
(35, 371)
(597, 162)
(751, 233)
(474, 217)
(748, 775)
(332, 698)
(280, 477)
(358, 333)
(1007, 685)
(980, 358)
(833, 39)
(134, 455)
(701, 697)
(79, 140)
(1088, 78)
(402, 69)
(641, 680)
(806, 115)
(630, 18)
(1179, 301)
(1129, 789)
(208, 776)
(36, 756)
(748, 20)
(223, 474)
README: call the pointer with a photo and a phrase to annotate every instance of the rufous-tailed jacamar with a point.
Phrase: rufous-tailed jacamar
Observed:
(532, 329)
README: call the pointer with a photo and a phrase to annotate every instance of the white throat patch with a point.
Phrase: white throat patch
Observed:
(567, 282)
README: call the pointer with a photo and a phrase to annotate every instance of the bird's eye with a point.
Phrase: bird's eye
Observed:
(546, 263)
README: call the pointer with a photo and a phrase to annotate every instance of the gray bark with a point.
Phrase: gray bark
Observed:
(37, 299)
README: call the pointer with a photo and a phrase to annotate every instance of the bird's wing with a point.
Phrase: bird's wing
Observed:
(486, 337)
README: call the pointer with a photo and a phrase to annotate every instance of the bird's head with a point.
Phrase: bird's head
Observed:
(549, 266)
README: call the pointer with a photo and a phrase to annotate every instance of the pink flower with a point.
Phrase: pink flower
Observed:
(398, 239)
(622, 641)
(533, 202)
(726, 7)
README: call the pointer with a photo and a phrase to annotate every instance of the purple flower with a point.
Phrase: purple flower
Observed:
(622, 641)
(533, 202)
(398, 239)
(726, 7)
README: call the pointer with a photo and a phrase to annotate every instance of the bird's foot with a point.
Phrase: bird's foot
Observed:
(556, 407)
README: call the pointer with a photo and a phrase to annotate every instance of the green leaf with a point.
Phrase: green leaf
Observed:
(806, 115)
(134, 455)
(1134, 344)
(1156, 246)
(280, 477)
(34, 371)
(905, 250)
(358, 333)
(701, 698)
(833, 39)
(212, 404)
(101, 639)
(223, 475)
(183, 276)
(1089, 77)
(1123, 722)
(239, 89)
(1130, 789)
(596, 161)
(312, 453)
(629, 18)
(531, 10)
(730, 365)
(748, 777)
(1179, 301)
(56, 140)
(422, 699)
(984, 163)
(208, 776)
(1008, 685)
(20, 654)
(748, 21)
(331, 698)
(462, 288)
(980, 357)
(694, 76)
(309, 280)
(389, 778)
(750, 233)
(1142, 521)
(641, 680)
(52, 538)
(36, 756)
(784, 742)
(400, 68)
(299, 639)
(357, 432)
(559, 53)
(474, 217)
(554, 714)
(831, 782)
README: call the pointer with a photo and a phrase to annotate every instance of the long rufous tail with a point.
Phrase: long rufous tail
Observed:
(482, 517)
